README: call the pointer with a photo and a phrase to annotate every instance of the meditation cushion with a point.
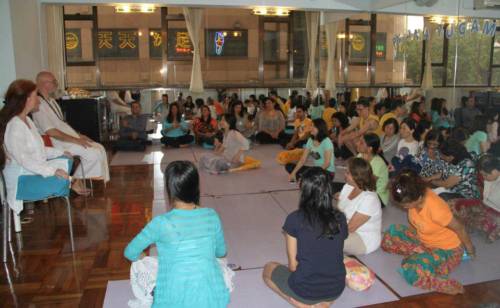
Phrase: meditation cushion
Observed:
(292, 156)
(248, 163)
(289, 131)
(358, 277)
(208, 146)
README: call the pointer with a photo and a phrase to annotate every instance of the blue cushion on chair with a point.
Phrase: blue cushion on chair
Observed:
(289, 131)
(208, 146)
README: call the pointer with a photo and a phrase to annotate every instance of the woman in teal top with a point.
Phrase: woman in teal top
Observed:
(189, 240)
(175, 131)
(321, 149)
(478, 137)
(439, 114)
(161, 109)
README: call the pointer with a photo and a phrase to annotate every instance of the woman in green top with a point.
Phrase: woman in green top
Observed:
(321, 149)
(478, 137)
(369, 149)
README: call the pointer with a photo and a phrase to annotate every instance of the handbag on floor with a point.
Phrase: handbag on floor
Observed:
(143, 275)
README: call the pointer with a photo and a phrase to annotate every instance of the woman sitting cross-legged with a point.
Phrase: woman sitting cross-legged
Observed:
(271, 123)
(477, 142)
(315, 234)
(362, 208)
(189, 240)
(228, 155)
(321, 149)
(32, 171)
(408, 145)
(175, 132)
(434, 245)
(482, 215)
(205, 127)
(390, 139)
(459, 178)
(243, 125)
(339, 122)
(428, 161)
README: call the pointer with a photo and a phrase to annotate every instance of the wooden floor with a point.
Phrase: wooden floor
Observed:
(42, 272)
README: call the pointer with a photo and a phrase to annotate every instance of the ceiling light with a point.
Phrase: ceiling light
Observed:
(271, 11)
(146, 8)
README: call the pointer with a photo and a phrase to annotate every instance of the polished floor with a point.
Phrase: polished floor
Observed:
(42, 271)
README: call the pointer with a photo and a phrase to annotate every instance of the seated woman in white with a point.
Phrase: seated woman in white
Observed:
(359, 202)
(32, 171)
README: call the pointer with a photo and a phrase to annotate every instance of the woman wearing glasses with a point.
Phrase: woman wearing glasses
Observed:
(366, 123)
(321, 149)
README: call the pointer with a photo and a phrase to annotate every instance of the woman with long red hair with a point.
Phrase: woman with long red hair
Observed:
(32, 171)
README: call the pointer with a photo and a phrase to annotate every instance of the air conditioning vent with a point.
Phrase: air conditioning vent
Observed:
(486, 4)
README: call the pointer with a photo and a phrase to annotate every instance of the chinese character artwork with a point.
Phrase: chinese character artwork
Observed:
(127, 38)
(105, 39)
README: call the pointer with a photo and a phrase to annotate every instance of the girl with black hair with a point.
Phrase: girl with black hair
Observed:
(339, 123)
(433, 246)
(482, 215)
(361, 205)
(175, 131)
(459, 178)
(428, 160)
(188, 108)
(229, 155)
(417, 112)
(477, 142)
(344, 107)
(205, 127)
(408, 145)
(492, 127)
(315, 235)
(460, 135)
(423, 127)
(243, 125)
(440, 116)
(321, 149)
(390, 139)
(189, 240)
(369, 149)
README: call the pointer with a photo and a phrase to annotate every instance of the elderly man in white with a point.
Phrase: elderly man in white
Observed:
(50, 121)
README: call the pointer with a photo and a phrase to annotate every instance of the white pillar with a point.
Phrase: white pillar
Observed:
(8, 71)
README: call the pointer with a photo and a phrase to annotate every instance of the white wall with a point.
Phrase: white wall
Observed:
(26, 33)
(8, 71)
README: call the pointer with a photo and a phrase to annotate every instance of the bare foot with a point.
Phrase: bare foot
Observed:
(213, 172)
(187, 145)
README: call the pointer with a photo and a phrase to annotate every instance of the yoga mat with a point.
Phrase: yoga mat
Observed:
(486, 267)
(232, 259)
(167, 155)
(251, 291)
(252, 223)
(270, 176)
(122, 158)
(118, 293)
(288, 200)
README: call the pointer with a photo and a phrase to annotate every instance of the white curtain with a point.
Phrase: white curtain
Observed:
(427, 78)
(312, 19)
(55, 40)
(193, 22)
(331, 40)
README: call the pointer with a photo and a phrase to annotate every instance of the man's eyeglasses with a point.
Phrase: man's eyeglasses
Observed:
(52, 81)
(359, 110)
